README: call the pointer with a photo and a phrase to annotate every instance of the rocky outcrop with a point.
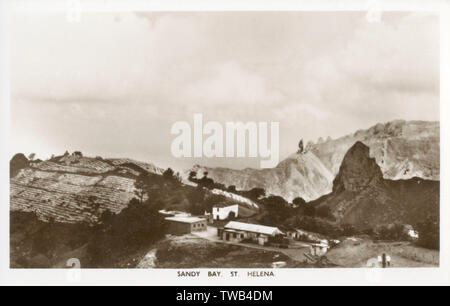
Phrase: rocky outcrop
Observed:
(358, 170)
(363, 198)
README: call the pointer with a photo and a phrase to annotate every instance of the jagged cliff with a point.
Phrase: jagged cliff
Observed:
(298, 175)
(402, 150)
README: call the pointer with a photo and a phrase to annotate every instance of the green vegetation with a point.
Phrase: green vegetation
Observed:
(38, 244)
(136, 227)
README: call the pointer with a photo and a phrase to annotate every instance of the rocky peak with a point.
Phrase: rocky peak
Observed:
(357, 170)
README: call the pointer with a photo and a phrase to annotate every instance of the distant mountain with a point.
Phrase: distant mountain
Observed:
(300, 174)
(363, 198)
(402, 149)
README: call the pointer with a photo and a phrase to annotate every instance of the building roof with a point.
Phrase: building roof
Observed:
(255, 228)
(221, 205)
(174, 213)
(184, 219)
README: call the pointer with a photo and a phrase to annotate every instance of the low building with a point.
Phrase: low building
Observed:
(224, 211)
(239, 231)
(180, 225)
(410, 232)
(319, 249)
(413, 234)
(302, 235)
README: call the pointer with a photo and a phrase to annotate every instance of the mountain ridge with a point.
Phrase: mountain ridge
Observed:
(402, 149)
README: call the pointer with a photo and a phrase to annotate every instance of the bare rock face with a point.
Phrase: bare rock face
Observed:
(358, 170)
(300, 174)
(363, 198)
(401, 149)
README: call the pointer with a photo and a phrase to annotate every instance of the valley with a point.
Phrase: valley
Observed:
(373, 192)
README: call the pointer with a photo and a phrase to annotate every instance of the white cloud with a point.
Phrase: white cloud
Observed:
(319, 74)
(99, 58)
(230, 84)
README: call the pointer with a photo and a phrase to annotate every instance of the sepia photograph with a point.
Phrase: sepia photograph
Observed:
(211, 139)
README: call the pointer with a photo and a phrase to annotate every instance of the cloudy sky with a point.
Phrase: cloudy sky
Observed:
(114, 83)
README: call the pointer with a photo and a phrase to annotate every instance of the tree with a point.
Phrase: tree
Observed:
(429, 236)
(300, 147)
(118, 235)
(300, 202)
(232, 189)
(31, 156)
(140, 187)
(206, 182)
(395, 231)
(196, 198)
(18, 162)
(192, 176)
(255, 193)
(168, 174)
(231, 215)
(278, 209)
(177, 177)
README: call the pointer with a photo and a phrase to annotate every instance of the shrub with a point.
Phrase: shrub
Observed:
(325, 212)
(429, 236)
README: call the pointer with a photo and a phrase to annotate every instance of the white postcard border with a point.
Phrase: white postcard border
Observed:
(352, 276)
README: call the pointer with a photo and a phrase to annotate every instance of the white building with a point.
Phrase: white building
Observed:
(222, 212)
(413, 234)
(239, 231)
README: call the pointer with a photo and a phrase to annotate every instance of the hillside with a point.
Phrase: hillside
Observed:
(363, 198)
(73, 188)
(300, 174)
(76, 189)
(89, 208)
(402, 149)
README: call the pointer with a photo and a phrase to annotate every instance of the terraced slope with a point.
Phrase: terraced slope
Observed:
(73, 189)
